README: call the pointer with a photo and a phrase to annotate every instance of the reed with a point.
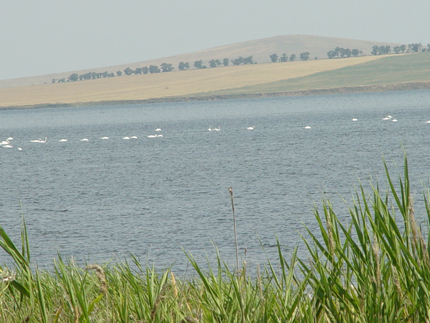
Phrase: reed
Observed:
(376, 268)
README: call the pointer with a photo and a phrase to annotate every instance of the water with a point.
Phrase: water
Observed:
(103, 199)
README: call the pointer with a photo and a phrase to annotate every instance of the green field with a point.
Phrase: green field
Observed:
(391, 70)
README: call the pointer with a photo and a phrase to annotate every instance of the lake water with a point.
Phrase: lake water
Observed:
(100, 200)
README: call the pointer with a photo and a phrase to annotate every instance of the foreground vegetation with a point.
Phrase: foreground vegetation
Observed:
(375, 269)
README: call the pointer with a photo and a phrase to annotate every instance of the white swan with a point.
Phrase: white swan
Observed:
(7, 146)
(159, 135)
(394, 120)
(217, 129)
(354, 119)
(5, 142)
(133, 137)
(19, 148)
(388, 117)
(10, 138)
(43, 141)
(62, 140)
(308, 127)
(104, 138)
(84, 139)
(36, 140)
(428, 121)
(158, 129)
(210, 128)
(251, 128)
(152, 136)
(126, 138)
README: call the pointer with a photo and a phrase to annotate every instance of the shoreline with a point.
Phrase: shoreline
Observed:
(408, 86)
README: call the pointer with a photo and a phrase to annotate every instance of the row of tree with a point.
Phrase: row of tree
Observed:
(410, 48)
(284, 57)
(344, 52)
(338, 52)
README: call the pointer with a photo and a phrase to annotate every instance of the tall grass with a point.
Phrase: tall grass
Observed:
(374, 269)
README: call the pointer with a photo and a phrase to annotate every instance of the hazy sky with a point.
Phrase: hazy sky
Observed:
(49, 36)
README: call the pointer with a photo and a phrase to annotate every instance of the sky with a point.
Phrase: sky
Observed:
(40, 37)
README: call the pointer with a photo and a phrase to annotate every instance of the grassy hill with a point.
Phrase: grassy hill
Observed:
(168, 85)
(368, 73)
(393, 72)
(260, 49)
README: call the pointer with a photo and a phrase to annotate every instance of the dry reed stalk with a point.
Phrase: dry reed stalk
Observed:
(375, 250)
(101, 276)
(175, 289)
(230, 189)
(76, 314)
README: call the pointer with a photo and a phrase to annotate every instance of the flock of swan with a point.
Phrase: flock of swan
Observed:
(7, 142)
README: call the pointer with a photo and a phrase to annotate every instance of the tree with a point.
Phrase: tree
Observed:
(356, 52)
(182, 66)
(345, 52)
(292, 57)
(387, 50)
(73, 77)
(248, 60)
(415, 47)
(283, 58)
(118, 73)
(53, 80)
(304, 56)
(375, 50)
(154, 69)
(274, 58)
(403, 48)
(331, 54)
(198, 64)
(225, 61)
(166, 67)
(128, 71)
(212, 63)
(237, 61)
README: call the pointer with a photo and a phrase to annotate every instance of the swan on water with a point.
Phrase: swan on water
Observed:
(158, 129)
(217, 129)
(133, 137)
(5, 142)
(104, 138)
(62, 140)
(152, 136)
(210, 128)
(84, 139)
(7, 146)
(354, 119)
(10, 138)
(394, 120)
(43, 141)
(308, 127)
(126, 138)
(251, 128)
(159, 135)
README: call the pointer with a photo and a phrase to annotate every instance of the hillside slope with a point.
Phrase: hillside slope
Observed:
(260, 49)
(168, 85)
(397, 71)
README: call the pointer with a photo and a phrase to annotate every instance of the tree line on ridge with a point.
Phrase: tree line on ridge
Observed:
(338, 52)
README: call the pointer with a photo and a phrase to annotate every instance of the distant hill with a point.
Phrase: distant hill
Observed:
(260, 49)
